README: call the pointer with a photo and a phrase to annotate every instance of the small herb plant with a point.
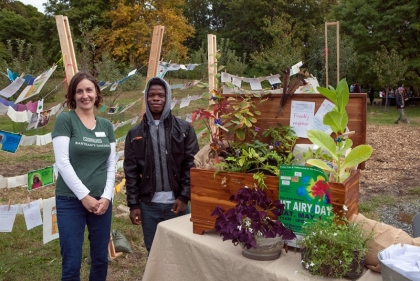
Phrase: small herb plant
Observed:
(254, 215)
(334, 247)
(338, 146)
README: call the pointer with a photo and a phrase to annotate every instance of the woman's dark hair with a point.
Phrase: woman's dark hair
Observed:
(71, 90)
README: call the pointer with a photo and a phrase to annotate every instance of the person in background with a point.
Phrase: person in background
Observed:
(400, 102)
(159, 153)
(371, 93)
(84, 149)
(352, 88)
(357, 88)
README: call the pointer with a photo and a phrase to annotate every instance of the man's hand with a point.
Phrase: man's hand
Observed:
(178, 206)
(135, 216)
(90, 203)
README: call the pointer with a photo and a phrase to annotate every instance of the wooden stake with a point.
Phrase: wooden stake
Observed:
(67, 49)
(155, 50)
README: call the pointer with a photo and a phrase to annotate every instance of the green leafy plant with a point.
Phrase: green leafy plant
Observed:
(339, 146)
(244, 147)
(334, 246)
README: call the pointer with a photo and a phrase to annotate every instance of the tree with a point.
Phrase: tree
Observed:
(282, 53)
(132, 22)
(390, 69)
(376, 23)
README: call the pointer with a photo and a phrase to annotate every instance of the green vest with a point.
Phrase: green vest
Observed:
(88, 151)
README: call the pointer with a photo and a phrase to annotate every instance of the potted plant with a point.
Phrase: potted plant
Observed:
(339, 146)
(244, 147)
(253, 223)
(239, 123)
(334, 247)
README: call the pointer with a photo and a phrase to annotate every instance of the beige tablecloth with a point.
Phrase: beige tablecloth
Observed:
(179, 254)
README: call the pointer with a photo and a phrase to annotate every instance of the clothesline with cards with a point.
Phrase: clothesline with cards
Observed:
(31, 211)
(11, 141)
(44, 176)
(164, 67)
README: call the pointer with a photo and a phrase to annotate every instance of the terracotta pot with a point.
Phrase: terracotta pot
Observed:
(268, 249)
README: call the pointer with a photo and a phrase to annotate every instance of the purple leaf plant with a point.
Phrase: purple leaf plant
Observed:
(254, 214)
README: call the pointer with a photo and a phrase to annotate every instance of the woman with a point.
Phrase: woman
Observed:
(84, 149)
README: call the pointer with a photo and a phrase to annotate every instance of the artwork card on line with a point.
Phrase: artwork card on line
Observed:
(40, 178)
(9, 141)
(32, 214)
(50, 226)
(255, 84)
(274, 79)
(237, 81)
(7, 217)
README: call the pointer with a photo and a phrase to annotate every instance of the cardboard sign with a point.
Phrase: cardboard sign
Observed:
(306, 195)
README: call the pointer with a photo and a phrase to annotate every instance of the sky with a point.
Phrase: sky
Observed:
(36, 3)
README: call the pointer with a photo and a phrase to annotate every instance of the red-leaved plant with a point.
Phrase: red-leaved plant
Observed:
(254, 215)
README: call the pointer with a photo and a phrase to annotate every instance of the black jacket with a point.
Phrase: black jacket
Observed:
(182, 145)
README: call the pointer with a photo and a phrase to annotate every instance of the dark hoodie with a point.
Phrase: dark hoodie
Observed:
(157, 133)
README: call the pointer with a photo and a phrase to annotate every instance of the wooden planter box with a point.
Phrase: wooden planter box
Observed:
(209, 191)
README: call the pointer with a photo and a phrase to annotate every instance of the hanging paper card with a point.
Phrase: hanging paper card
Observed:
(7, 217)
(113, 87)
(32, 215)
(34, 89)
(225, 77)
(306, 195)
(274, 79)
(33, 121)
(44, 118)
(162, 69)
(40, 178)
(9, 141)
(12, 88)
(106, 85)
(50, 227)
(237, 81)
(255, 84)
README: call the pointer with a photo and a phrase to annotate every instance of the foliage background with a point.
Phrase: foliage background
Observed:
(271, 36)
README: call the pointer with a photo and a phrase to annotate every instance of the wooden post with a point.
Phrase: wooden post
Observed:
(336, 23)
(212, 70)
(154, 56)
(67, 49)
(212, 60)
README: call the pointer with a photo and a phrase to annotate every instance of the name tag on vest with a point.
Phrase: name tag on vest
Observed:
(100, 134)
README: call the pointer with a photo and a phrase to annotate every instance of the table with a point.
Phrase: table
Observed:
(179, 254)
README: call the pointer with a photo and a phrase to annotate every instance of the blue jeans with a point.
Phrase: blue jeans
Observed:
(151, 215)
(72, 217)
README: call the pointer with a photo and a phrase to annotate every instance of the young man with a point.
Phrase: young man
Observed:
(159, 153)
(400, 102)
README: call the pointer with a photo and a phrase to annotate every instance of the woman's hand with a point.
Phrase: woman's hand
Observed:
(90, 203)
(103, 206)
